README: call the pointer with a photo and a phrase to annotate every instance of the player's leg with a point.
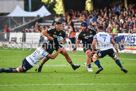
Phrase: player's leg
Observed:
(113, 55)
(96, 57)
(65, 54)
(11, 70)
(2, 70)
(88, 64)
(23, 68)
(45, 59)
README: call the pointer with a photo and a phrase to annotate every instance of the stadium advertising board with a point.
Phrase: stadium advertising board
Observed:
(126, 42)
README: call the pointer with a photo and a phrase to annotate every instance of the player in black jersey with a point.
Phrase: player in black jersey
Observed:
(59, 36)
(86, 36)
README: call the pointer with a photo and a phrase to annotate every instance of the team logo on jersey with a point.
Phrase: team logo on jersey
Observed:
(87, 37)
(60, 34)
(99, 54)
(55, 32)
(84, 34)
(24, 68)
(55, 36)
(90, 31)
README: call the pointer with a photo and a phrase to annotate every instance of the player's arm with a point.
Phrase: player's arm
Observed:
(48, 36)
(78, 41)
(55, 55)
(64, 38)
(93, 44)
(115, 46)
(76, 45)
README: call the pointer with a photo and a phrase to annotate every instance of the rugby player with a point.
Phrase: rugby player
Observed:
(106, 43)
(57, 33)
(33, 59)
(86, 36)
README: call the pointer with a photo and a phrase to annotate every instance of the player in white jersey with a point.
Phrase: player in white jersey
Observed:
(106, 43)
(33, 59)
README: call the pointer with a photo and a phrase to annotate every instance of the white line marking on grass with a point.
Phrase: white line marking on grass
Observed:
(110, 57)
(72, 84)
(58, 65)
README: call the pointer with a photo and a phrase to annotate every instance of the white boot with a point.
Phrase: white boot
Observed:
(88, 69)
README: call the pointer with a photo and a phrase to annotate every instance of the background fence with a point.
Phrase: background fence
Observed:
(125, 41)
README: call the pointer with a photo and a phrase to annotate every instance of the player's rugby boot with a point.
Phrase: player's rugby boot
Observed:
(100, 69)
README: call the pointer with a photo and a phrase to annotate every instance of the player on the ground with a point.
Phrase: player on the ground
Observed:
(57, 33)
(106, 43)
(33, 59)
(86, 36)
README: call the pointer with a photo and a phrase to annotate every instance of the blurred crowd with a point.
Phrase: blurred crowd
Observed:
(114, 19)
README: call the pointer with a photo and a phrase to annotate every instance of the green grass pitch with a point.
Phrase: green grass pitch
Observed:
(57, 74)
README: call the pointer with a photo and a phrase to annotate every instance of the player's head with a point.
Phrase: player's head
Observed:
(58, 26)
(100, 28)
(83, 26)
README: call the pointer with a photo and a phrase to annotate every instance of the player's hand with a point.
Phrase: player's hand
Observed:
(117, 52)
(92, 52)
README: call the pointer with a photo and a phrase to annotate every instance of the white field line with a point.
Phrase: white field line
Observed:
(82, 65)
(72, 84)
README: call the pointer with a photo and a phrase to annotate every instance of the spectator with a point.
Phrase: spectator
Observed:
(6, 33)
(72, 33)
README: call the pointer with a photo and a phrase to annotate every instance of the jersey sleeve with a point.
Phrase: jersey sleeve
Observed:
(45, 54)
(64, 34)
(94, 32)
(95, 37)
(111, 37)
(50, 31)
(80, 37)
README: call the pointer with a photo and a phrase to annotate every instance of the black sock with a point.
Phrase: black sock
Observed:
(97, 62)
(89, 66)
(118, 63)
(71, 63)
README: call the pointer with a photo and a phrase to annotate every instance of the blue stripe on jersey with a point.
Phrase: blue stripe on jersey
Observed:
(45, 53)
(111, 37)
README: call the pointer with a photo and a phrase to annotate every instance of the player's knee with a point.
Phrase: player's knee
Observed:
(95, 57)
(19, 69)
(115, 57)
(88, 53)
(64, 51)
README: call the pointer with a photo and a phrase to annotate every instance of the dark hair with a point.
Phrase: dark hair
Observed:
(100, 27)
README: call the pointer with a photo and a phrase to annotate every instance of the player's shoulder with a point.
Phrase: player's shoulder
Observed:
(63, 31)
(89, 29)
(80, 33)
(52, 29)
(92, 31)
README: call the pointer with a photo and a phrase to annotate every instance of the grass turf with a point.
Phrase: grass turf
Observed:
(57, 74)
